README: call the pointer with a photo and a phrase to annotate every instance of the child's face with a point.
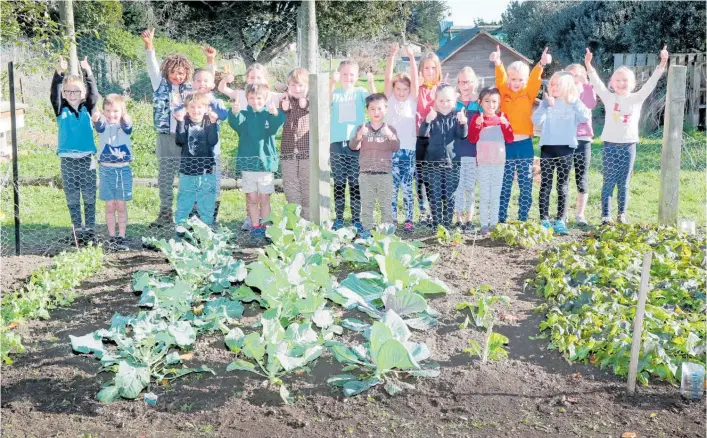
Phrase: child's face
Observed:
(196, 111)
(73, 93)
(177, 76)
(445, 102)
(516, 81)
(348, 76)
(490, 104)
(256, 101)
(620, 82)
(256, 77)
(113, 112)
(429, 71)
(466, 84)
(401, 90)
(578, 76)
(203, 82)
(377, 110)
(297, 90)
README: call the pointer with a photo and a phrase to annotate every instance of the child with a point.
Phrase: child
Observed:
(347, 113)
(73, 108)
(169, 82)
(444, 129)
(294, 147)
(203, 82)
(518, 91)
(401, 116)
(560, 113)
(197, 136)
(620, 135)
(431, 71)
(114, 128)
(490, 131)
(467, 84)
(377, 142)
(583, 154)
(257, 154)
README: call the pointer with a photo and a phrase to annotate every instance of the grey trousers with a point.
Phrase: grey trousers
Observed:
(376, 187)
(79, 181)
(295, 181)
(168, 156)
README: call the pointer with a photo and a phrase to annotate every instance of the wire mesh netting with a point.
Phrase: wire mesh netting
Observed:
(64, 200)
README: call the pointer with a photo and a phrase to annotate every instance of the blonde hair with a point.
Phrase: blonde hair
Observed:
(629, 74)
(565, 83)
(173, 62)
(350, 62)
(257, 67)
(299, 76)
(114, 99)
(75, 80)
(519, 67)
(404, 78)
(468, 71)
(257, 89)
(431, 56)
(446, 91)
(200, 99)
(579, 67)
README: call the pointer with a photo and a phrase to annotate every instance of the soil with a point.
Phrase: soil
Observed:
(50, 391)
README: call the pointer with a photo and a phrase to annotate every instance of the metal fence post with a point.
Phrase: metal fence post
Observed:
(15, 176)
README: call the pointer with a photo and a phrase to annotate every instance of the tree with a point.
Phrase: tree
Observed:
(423, 24)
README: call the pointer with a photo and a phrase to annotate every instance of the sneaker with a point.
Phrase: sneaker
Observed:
(560, 228)
(546, 224)
(337, 225)
(120, 245)
(257, 233)
(86, 236)
(607, 221)
(408, 228)
(622, 218)
(581, 221)
(485, 231)
(247, 224)
(359, 227)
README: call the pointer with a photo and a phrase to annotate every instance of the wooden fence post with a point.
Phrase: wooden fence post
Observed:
(638, 322)
(672, 144)
(66, 14)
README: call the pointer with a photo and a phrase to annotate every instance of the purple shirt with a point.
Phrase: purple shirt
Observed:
(589, 99)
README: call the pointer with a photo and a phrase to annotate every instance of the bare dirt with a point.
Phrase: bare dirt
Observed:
(50, 391)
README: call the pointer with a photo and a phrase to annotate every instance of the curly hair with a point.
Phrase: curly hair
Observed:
(173, 62)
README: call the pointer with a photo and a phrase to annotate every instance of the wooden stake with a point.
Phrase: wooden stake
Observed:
(638, 322)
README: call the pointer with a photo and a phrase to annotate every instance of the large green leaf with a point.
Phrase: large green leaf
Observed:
(393, 270)
(253, 346)
(183, 333)
(393, 354)
(108, 394)
(403, 302)
(242, 365)
(355, 387)
(87, 344)
(131, 380)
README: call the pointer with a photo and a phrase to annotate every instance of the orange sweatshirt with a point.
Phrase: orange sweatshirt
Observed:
(518, 105)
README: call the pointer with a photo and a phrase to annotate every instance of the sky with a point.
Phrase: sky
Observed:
(464, 11)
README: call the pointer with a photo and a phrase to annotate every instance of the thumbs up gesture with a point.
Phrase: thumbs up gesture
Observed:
(431, 116)
(545, 58)
(664, 55)
(549, 100)
(272, 109)
(495, 57)
(285, 103)
(461, 117)
(362, 131)
(480, 120)
(96, 116)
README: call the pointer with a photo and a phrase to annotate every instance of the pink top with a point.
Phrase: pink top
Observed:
(589, 99)
(425, 100)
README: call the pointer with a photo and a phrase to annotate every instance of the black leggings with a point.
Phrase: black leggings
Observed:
(551, 158)
(420, 170)
(582, 161)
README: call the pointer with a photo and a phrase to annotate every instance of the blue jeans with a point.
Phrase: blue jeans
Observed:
(200, 189)
(443, 180)
(519, 158)
(345, 169)
(403, 172)
(617, 161)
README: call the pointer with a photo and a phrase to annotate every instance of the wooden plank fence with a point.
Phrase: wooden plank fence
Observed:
(643, 64)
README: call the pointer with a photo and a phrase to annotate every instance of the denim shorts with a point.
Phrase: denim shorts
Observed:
(116, 183)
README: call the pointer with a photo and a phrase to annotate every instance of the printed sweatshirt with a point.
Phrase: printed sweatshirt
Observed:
(114, 142)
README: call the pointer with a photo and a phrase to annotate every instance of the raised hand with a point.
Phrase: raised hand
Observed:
(480, 120)
(549, 100)
(235, 106)
(588, 56)
(431, 116)
(503, 120)
(393, 50)
(410, 52)
(285, 103)
(86, 66)
(362, 131)
(61, 65)
(229, 78)
(179, 115)
(272, 109)
(302, 102)
(213, 117)
(664, 56)
(210, 53)
(495, 57)
(147, 36)
(370, 76)
(446, 78)
(96, 116)
(461, 117)
(335, 77)
(545, 58)
(387, 132)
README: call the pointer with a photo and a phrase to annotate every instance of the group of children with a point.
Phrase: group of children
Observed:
(421, 129)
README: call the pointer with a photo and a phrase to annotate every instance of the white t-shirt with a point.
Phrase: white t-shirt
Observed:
(401, 116)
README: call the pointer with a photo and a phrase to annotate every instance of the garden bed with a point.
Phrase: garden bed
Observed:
(49, 390)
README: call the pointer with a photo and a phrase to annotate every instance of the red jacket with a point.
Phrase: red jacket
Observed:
(475, 129)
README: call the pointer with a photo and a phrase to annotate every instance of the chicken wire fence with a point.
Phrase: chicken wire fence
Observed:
(415, 193)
